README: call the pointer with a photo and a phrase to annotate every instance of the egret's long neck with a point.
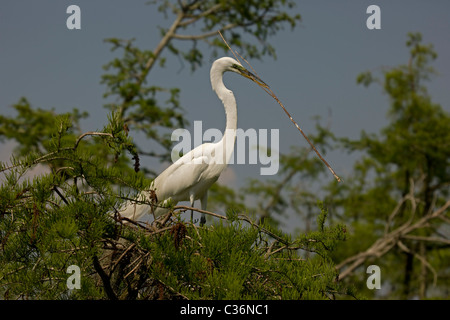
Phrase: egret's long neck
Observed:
(229, 103)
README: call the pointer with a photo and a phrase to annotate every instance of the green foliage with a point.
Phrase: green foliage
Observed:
(139, 108)
(402, 179)
(66, 217)
(33, 129)
(394, 202)
(239, 21)
(232, 260)
(60, 217)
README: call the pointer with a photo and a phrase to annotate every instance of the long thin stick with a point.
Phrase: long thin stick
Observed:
(270, 92)
(232, 51)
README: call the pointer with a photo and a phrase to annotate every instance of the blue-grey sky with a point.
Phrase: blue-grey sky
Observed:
(314, 73)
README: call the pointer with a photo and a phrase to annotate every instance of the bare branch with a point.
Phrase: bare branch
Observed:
(389, 240)
(428, 239)
(186, 208)
(91, 133)
(105, 279)
(403, 247)
(201, 15)
(203, 35)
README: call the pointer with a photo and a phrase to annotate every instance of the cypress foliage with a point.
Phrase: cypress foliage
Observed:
(66, 216)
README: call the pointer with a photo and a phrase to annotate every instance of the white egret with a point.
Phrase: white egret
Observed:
(190, 177)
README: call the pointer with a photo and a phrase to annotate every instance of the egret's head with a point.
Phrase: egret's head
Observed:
(229, 64)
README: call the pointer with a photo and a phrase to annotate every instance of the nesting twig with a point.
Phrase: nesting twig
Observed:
(270, 92)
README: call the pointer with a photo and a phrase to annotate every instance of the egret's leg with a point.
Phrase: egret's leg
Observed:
(203, 201)
(192, 199)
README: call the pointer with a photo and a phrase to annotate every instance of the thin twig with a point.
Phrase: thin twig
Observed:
(140, 259)
(402, 246)
(120, 258)
(240, 217)
(232, 51)
(105, 279)
(91, 133)
(55, 188)
(270, 92)
(203, 35)
(187, 208)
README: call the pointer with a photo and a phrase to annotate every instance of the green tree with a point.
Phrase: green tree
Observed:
(66, 217)
(68, 214)
(396, 202)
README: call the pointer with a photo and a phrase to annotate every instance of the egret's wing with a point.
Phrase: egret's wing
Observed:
(176, 180)
(174, 183)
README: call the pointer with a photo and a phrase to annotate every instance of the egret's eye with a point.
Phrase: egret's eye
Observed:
(237, 67)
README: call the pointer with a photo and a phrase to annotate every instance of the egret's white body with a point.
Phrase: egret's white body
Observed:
(190, 177)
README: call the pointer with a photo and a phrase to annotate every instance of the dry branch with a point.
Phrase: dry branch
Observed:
(393, 238)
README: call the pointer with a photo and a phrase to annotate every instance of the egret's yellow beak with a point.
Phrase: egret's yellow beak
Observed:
(245, 73)
(254, 78)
